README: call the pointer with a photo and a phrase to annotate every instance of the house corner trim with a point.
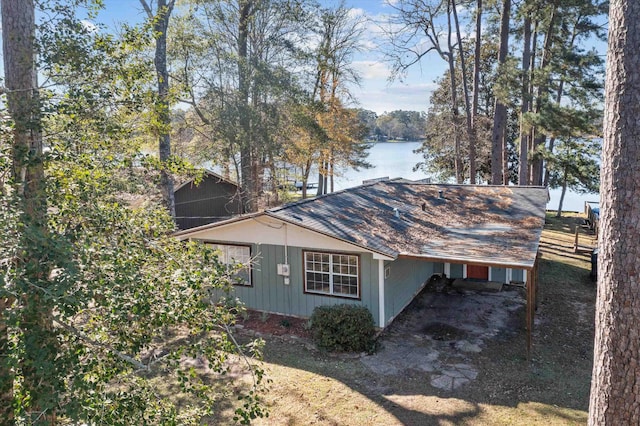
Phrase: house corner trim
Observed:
(381, 313)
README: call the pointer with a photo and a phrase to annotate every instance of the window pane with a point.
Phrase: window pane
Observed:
(221, 252)
(243, 276)
(317, 282)
(239, 254)
(345, 285)
(331, 273)
(233, 255)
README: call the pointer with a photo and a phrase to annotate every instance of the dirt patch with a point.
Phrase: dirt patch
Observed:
(265, 324)
(441, 331)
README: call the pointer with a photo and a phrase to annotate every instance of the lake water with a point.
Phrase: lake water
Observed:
(396, 159)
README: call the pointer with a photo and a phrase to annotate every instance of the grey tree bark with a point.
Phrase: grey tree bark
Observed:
(23, 102)
(523, 172)
(475, 95)
(500, 112)
(538, 138)
(467, 104)
(245, 138)
(455, 113)
(615, 386)
(160, 25)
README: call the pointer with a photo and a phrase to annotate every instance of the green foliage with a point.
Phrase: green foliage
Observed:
(574, 164)
(406, 125)
(103, 304)
(343, 328)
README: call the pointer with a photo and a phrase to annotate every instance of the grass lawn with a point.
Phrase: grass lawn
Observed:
(311, 387)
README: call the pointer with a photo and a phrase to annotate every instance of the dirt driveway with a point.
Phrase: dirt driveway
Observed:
(443, 329)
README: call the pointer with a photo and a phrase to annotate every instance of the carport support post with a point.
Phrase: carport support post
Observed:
(532, 282)
(530, 303)
(381, 314)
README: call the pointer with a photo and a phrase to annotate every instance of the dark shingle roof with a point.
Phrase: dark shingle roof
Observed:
(500, 225)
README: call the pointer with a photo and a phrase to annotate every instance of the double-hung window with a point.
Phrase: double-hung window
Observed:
(332, 274)
(232, 256)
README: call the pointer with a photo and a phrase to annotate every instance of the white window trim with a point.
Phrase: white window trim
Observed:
(331, 293)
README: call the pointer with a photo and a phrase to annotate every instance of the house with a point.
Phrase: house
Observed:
(378, 244)
(212, 200)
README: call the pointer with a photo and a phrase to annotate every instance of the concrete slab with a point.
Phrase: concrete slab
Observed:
(476, 285)
(441, 330)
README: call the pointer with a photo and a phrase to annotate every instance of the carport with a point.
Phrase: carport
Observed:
(478, 271)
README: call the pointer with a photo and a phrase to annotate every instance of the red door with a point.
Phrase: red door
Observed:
(478, 272)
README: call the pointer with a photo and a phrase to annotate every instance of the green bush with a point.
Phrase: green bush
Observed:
(347, 328)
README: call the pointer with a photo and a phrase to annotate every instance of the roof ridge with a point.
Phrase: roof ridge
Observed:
(462, 185)
(318, 197)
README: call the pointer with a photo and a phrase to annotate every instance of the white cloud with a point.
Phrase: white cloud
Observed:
(356, 13)
(89, 26)
(370, 70)
(414, 97)
(462, 10)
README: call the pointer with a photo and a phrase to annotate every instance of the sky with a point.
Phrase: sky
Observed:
(375, 92)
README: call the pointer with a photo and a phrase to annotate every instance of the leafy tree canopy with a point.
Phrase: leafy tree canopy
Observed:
(103, 307)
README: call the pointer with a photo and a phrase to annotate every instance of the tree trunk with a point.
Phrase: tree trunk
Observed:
(455, 113)
(500, 112)
(523, 172)
(305, 179)
(331, 175)
(250, 199)
(615, 387)
(476, 88)
(6, 374)
(321, 166)
(505, 158)
(160, 26)
(467, 103)
(562, 194)
(40, 343)
(538, 137)
(532, 75)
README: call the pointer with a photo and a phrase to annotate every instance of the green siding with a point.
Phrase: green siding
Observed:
(517, 275)
(270, 294)
(406, 278)
(499, 274)
(456, 270)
